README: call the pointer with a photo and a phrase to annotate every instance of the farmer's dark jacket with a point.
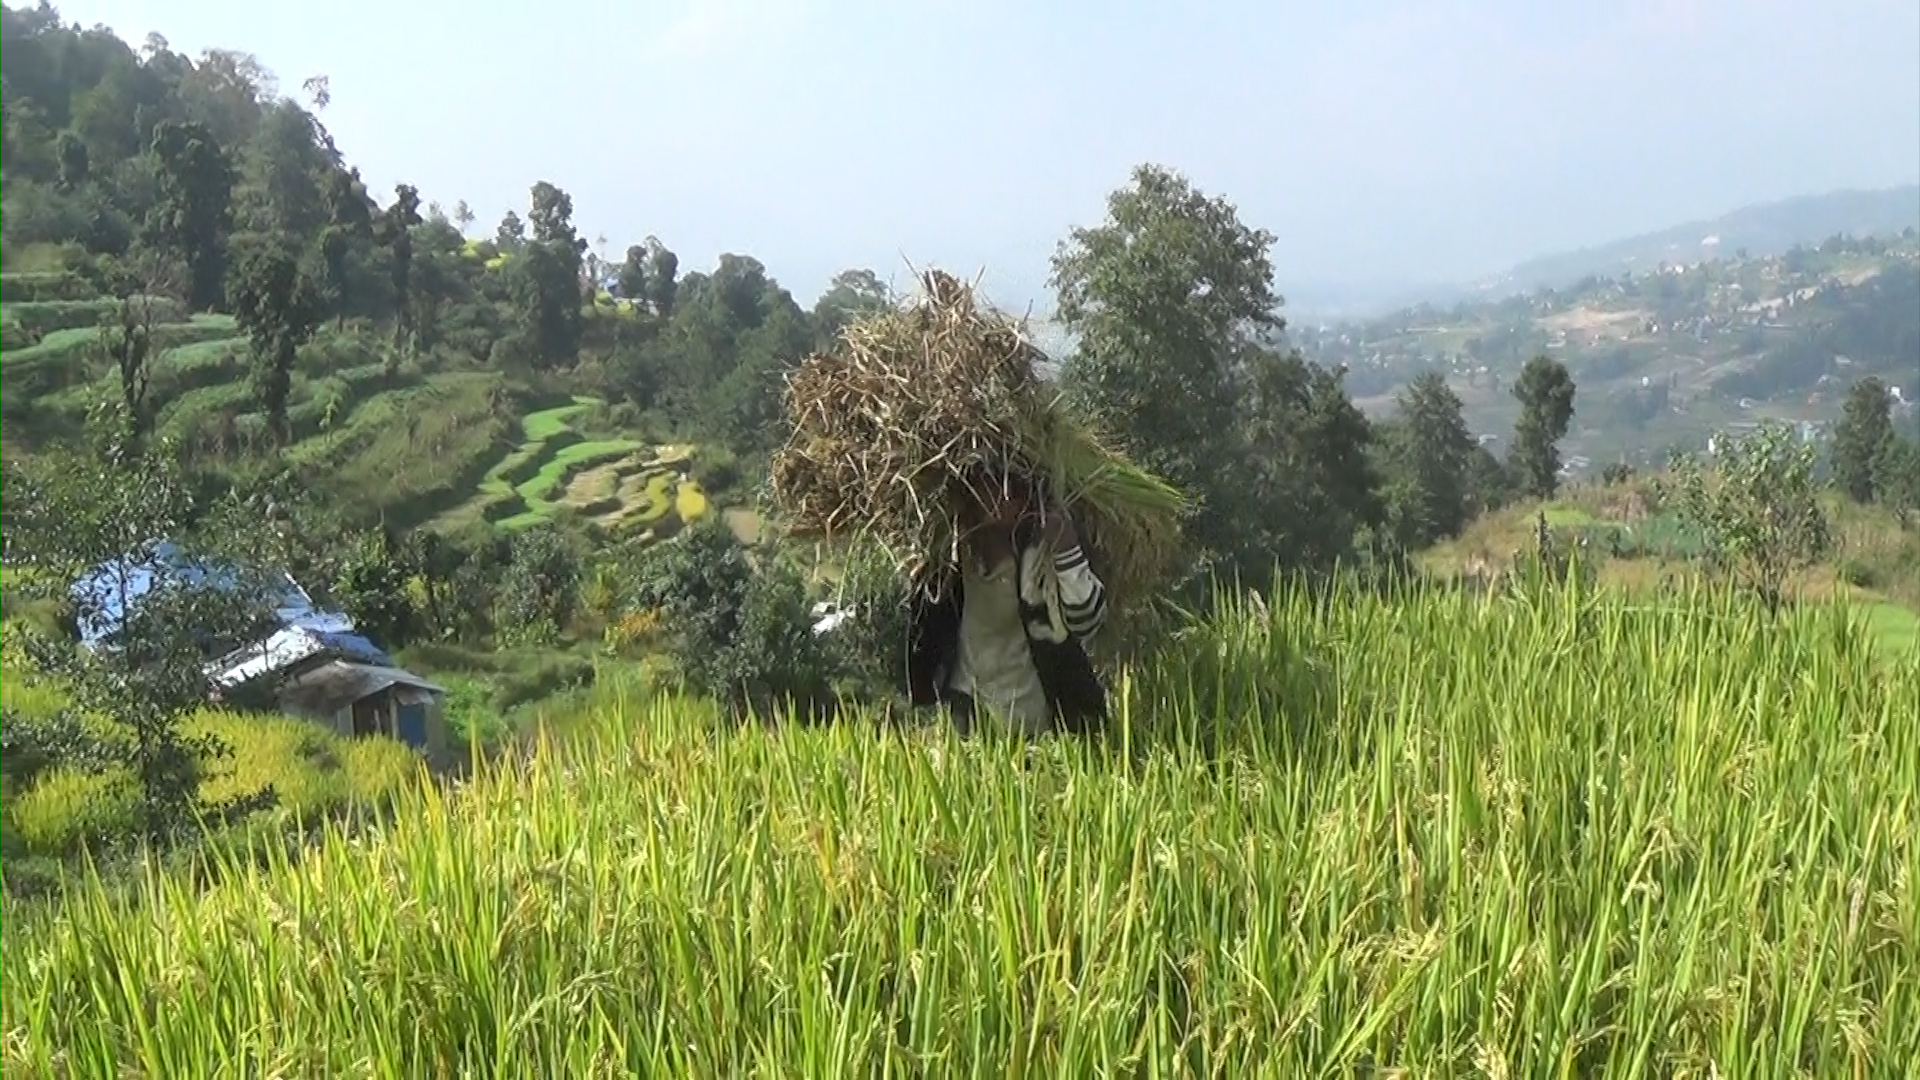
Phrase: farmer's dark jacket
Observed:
(1060, 613)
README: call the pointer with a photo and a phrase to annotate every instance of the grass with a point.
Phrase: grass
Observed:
(1434, 836)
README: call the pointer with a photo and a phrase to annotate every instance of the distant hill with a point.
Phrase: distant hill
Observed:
(1765, 229)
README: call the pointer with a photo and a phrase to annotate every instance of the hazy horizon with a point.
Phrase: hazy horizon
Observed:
(1388, 145)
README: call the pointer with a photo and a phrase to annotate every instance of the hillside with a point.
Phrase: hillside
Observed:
(1663, 359)
(1749, 232)
(1374, 779)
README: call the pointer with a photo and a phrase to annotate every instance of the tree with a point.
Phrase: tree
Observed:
(1172, 302)
(546, 279)
(349, 225)
(1759, 514)
(94, 513)
(550, 214)
(1308, 484)
(1545, 392)
(663, 269)
(396, 230)
(1860, 438)
(1896, 480)
(1431, 456)
(274, 300)
(283, 169)
(372, 587)
(463, 216)
(511, 235)
(128, 344)
(632, 278)
(742, 638)
(849, 296)
(71, 152)
(196, 180)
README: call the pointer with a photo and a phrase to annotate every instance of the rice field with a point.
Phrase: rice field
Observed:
(1433, 836)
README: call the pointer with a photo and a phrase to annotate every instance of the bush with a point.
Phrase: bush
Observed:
(539, 590)
(742, 638)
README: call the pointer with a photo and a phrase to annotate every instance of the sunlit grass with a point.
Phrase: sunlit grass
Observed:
(1433, 837)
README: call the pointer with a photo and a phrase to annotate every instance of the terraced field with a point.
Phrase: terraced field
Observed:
(405, 447)
(613, 484)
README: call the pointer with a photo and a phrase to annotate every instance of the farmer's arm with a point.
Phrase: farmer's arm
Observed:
(1083, 599)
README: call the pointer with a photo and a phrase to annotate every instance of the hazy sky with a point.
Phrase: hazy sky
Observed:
(1382, 141)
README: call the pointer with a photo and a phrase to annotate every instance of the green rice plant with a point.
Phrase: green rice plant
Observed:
(1565, 834)
(558, 468)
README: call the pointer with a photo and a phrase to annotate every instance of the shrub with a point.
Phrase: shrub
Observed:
(742, 638)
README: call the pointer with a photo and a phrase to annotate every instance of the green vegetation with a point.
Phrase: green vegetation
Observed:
(1514, 772)
(1664, 354)
(1410, 810)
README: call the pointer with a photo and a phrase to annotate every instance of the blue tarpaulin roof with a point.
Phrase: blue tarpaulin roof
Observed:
(101, 595)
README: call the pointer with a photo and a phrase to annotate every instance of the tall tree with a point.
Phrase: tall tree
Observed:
(632, 278)
(128, 343)
(511, 236)
(663, 280)
(274, 300)
(349, 223)
(1861, 437)
(196, 179)
(396, 230)
(546, 279)
(1432, 462)
(1168, 297)
(1307, 482)
(1545, 391)
(282, 174)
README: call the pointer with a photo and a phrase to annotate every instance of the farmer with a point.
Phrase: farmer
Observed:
(1002, 640)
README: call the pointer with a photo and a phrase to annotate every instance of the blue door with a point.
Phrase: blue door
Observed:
(413, 726)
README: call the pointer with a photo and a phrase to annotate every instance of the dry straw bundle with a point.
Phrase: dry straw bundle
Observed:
(893, 427)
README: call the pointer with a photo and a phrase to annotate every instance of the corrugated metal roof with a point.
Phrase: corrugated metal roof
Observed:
(102, 594)
(340, 683)
(287, 647)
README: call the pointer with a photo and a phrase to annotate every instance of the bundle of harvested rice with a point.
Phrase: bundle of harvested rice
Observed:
(894, 428)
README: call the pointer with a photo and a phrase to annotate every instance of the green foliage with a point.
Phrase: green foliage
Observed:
(545, 280)
(1896, 477)
(275, 300)
(740, 637)
(73, 512)
(1172, 302)
(1545, 392)
(1430, 458)
(1861, 438)
(195, 210)
(1759, 513)
(373, 588)
(539, 589)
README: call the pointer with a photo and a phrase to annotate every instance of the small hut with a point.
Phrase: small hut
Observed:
(358, 700)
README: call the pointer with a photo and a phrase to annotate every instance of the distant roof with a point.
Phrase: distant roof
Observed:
(287, 647)
(99, 594)
(333, 685)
